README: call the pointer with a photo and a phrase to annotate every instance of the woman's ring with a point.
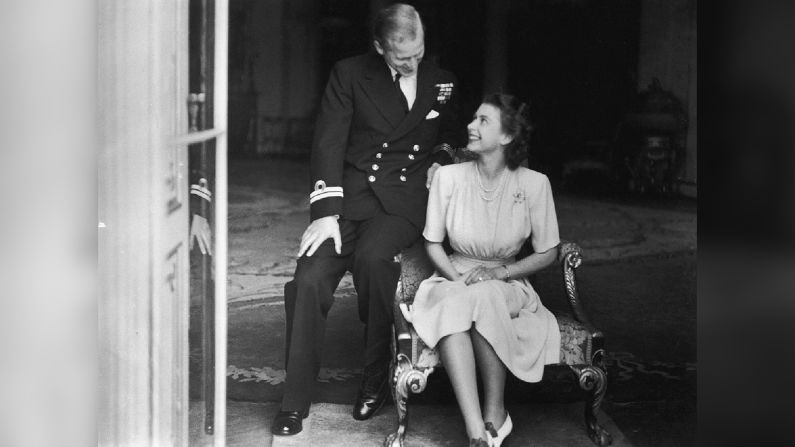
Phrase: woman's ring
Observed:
(480, 278)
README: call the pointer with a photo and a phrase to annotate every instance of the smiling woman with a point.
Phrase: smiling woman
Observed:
(491, 129)
(479, 307)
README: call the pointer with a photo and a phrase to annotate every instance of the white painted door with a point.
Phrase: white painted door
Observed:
(143, 209)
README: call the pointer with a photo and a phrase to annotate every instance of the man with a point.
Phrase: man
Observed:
(386, 122)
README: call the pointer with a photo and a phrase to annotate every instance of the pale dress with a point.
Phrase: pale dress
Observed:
(510, 315)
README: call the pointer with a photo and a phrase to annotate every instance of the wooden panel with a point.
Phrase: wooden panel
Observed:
(124, 306)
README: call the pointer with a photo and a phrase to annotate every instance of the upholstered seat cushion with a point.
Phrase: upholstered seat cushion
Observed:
(415, 267)
(575, 342)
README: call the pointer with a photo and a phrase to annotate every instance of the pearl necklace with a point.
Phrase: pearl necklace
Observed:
(484, 189)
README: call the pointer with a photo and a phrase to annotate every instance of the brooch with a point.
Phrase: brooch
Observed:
(518, 197)
(445, 92)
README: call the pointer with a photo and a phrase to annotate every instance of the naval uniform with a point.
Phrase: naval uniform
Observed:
(369, 166)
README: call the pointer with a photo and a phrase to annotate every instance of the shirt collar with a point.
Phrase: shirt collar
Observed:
(392, 71)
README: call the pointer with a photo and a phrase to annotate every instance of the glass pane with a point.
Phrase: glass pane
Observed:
(201, 161)
(201, 64)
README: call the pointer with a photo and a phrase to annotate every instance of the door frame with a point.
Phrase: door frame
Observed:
(142, 95)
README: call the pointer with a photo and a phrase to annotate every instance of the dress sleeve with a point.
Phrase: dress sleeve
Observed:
(543, 219)
(438, 201)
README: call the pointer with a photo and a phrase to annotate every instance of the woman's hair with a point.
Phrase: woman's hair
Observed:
(515, 121)
(396, 22)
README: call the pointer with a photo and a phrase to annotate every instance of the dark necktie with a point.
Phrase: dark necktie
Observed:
(403, 99)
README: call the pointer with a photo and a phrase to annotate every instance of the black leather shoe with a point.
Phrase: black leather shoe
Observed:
(373, 391)
(288, 423)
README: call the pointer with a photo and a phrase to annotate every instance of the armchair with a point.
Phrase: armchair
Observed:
(581, 347)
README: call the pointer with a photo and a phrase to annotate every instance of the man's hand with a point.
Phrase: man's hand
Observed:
(317, 232)
(431, 171)
(201, 231)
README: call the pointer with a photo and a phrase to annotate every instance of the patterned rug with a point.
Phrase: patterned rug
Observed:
(331, 425)
(630, 379)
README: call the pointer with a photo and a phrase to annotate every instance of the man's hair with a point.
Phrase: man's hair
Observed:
(515, 121)
(396, 23)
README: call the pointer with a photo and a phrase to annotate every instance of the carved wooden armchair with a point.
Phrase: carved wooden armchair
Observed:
(581, 344)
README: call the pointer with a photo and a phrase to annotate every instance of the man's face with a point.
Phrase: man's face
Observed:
(403, 56)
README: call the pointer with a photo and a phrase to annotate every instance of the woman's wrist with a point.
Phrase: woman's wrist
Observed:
(507, 272)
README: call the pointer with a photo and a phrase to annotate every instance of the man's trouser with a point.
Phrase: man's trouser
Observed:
(368, 250)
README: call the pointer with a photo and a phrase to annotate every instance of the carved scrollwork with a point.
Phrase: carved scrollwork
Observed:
(594, 380)
(569, 279)
(572, 253)
(572, 259)
(598, 359)
(417, 380)
(405, 379)
(402, 363)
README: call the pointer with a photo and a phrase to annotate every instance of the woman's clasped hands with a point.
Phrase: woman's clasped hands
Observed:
(482, 273)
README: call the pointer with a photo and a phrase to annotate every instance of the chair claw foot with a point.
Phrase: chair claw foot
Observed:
(599, 435)
(393, 440)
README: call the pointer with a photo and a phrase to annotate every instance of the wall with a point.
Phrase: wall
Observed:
(283, 47)
(668, 51)
(48, 229)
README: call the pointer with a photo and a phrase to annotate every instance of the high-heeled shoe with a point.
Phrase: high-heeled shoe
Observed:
(498, 436)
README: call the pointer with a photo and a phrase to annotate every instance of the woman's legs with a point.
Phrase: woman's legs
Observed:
(459, 361)
(493, 373)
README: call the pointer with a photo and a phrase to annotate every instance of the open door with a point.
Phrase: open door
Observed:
(206, 140)
(150, 122)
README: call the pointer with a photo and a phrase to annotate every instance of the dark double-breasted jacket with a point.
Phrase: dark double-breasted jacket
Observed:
(368, 152)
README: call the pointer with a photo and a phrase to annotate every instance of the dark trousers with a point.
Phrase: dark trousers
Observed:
(368, 250)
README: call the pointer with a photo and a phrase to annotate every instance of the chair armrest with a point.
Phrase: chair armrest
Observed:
(402, 327)
(570, 258)
(415, 267)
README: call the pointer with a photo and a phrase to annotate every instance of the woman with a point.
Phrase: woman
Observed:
(479, 307)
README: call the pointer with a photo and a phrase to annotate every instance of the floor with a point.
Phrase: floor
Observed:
(330, 425)
(638, 283)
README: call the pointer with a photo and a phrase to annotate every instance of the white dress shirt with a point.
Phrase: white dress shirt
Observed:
(408, 84)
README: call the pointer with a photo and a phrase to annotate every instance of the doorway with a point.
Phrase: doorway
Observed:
(162, 154)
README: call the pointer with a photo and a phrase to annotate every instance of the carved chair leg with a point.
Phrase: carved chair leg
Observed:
(405, 380)
(400, 397)
(594, 381)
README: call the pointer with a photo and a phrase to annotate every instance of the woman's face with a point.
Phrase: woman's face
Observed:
(485, 130)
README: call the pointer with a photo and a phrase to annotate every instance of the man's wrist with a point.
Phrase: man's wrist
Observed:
(336, 217)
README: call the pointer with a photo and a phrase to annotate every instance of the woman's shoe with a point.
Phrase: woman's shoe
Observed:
(499, 435)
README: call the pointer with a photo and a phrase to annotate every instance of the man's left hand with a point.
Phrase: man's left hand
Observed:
(431, 171)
